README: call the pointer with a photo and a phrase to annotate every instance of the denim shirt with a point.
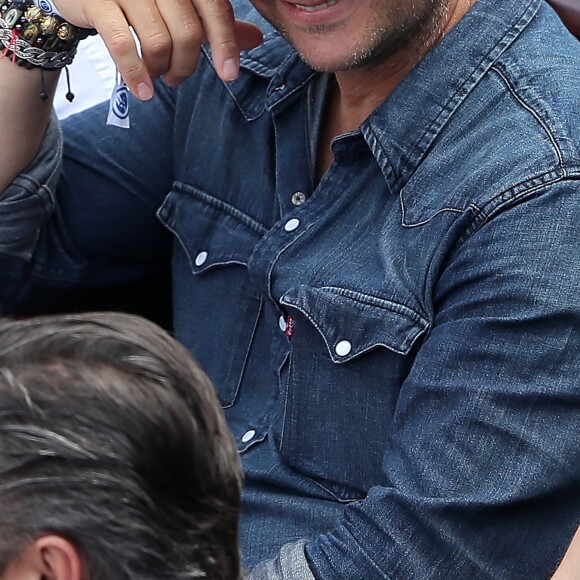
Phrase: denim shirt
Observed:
(396, 347)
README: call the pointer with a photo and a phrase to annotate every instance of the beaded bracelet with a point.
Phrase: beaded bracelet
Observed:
(34, 35)
(33, 38)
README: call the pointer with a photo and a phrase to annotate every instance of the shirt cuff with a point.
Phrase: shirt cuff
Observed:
(290, 564)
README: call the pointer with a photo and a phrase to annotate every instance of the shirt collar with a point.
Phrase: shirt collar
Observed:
(403, 128)
(269, 74)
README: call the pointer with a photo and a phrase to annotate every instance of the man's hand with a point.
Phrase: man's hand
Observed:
(170, 33)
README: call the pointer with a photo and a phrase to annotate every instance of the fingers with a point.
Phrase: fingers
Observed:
(176, 56)
(217, 17)
(248, 35)
(112, 24)
(187, 35)
(154, 36)
(220, 28)
(170, 33)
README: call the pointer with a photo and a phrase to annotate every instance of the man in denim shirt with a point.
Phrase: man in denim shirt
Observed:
(377, 264)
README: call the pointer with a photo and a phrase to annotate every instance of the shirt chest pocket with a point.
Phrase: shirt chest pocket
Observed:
(350, 353)
(216, 307)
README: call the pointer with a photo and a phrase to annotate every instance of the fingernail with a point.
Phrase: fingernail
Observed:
(144, 91)
(230, 69)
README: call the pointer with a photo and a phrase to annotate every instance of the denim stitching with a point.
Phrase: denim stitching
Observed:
(222, 205)
(500, 202)
(407, 342)
(535, 114)
(370, 300)
(245, 363)
(406, 224)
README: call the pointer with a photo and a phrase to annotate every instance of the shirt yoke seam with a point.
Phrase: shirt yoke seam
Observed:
(505, 199)
(525, 105)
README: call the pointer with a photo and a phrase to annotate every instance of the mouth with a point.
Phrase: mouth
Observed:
(317, 15)
(316, 7)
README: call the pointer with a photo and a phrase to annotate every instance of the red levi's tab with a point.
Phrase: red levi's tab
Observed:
(290, 322)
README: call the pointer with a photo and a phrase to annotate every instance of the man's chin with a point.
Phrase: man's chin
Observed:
(334, 63)
(326, 60)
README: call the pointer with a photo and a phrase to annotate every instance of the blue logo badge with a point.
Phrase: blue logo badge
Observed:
(46, 6)
(121, 104)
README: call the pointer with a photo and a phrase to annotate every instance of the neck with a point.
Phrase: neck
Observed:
(361, 91)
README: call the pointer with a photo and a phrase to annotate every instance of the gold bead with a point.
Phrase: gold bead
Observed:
(34, 13)
(31, 33)
(66, 31)
(49, 24)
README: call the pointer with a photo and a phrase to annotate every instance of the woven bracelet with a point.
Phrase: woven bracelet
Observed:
(34, 38)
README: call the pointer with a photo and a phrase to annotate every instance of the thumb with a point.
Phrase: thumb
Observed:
(248, 35)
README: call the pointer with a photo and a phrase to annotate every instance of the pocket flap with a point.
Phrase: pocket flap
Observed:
(352, 323)
(211, 231)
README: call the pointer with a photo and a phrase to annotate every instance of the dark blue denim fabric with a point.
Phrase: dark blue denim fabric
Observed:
(423, 421)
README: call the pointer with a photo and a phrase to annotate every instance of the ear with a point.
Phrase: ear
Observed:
(57, 558)
(51, 557)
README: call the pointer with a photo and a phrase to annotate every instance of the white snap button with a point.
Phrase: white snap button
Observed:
(282, 324)
(343, 348)
(201, 259)
(280, 88)
(298, 198)
(292, 225)
(248, 436)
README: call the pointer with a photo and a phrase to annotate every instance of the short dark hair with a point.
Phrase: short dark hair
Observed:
(112, 436)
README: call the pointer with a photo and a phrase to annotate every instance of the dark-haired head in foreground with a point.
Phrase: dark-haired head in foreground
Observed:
(115, 460)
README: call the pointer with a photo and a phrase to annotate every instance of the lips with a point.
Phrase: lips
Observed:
(317, 15)
(316, 7)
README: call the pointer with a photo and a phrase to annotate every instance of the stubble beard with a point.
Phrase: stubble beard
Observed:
(414, 33)
(409, 31)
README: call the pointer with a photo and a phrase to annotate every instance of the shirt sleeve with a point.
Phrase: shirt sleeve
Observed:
(83, 214)
(28, 201)
(290, 564)
(482, 469)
